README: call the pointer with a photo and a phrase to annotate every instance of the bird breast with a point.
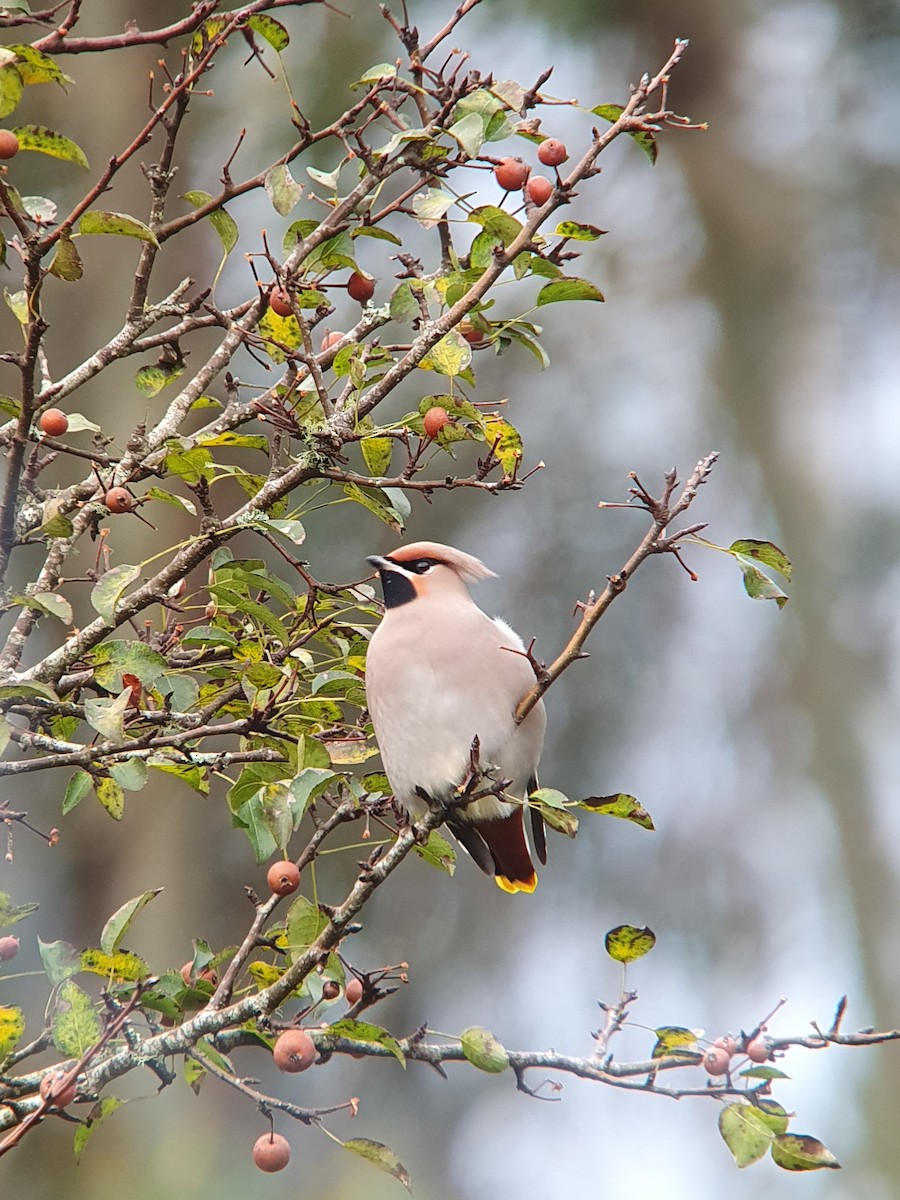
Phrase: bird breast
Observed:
(436, 680)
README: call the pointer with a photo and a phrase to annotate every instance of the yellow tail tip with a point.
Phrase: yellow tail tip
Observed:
(516, 885)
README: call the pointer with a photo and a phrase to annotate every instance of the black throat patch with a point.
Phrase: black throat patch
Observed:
(397, 588)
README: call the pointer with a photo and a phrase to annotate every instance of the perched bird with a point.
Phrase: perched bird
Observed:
(440, 673)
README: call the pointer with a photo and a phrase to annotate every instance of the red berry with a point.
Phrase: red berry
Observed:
(119, 500)
(9, 947)
(435, 420)
(727, 1043)
(208, 975)
(759, 1050)
(716, 1060)
(331, 338)
(280, 302)
(360, 287)
(552, 152)
(473, 335)
(53, 422)
(538, 189)
(51, 1084)
(9, 144)
(511, 174)
(331, 989)
(354, 990)
(283, 877)
(271, 1152)
(294, 1051)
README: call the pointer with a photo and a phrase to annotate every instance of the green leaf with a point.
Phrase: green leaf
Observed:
(568, 288)
(151, 380)
(375, 74)
(111, 796)
(450, 356)
(764, 1072)
(437, 852)
(36, 67)
(375, 500)
(12, 1026)
(117, 925)
(376, 452)
(5, 734)
(189, 465)
(643, 137)
(757, 583)
(375, 231)
(130, 775)
(621, 805)
(362, 1031)
(765, 552)
(296, 232)
(303, 925)
(239, 441)
(306, 786)
(17, 303)
(627, 943)
(77, 788)
(469, 132)
(380, 1156)
(11, 88)
(195, 777)
(119, 224)
(800, 1152)
(98, 1114)
(673, 1039)
(107, 715)
(270, 29)
(47, 141)
(75, 1025)
(773, 1116)
(744, 1133)
(506, 442)
(66, 262)
(60, 960)
(114, 659)
(46, 602)
(578, 233)
(292, 530)
(16, 691)
(283, 190)
(483, 1050)
(107, 592)
(497, 222)
(431, 206)
(122, 966)
(173, 500)
(11, 914)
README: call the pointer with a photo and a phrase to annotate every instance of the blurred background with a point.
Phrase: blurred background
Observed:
(752, 280)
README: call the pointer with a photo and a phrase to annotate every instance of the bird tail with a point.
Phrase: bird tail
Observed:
(505, 839)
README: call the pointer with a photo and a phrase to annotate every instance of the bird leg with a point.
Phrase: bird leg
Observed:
(473, 775)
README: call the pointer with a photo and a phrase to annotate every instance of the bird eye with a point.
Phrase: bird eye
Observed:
(422, 565)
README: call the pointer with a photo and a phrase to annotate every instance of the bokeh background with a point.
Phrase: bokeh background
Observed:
(752, 281)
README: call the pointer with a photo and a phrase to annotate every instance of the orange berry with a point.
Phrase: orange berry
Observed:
(119, 500)
(511, 174)
(9, 947)
(331, 338)
(354, 990)
(294, 1051)
(271, 1152)
(53, 421)
(552, 152)
(716, 1060)
(283, 877)
(727, 1043)
(9, 144)
(435, 420)
(759, 1050)
(280, 302)
(360, 287)
(538, 189)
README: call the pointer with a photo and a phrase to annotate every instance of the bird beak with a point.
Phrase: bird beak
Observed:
(378, 562)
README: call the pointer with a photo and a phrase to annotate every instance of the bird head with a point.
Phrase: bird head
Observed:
(426, 569)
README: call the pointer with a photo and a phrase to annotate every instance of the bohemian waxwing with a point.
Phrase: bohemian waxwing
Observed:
(439, 673)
